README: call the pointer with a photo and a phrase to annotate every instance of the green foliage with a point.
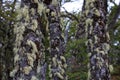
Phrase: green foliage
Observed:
(7, 20)
(77, 49)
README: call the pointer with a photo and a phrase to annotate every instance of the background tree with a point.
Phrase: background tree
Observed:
(57, 66)
(98, 40)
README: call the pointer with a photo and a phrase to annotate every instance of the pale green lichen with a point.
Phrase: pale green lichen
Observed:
(111, 68)
(33, 55)
(35, 24)
(34, 78)
(54, 2)
(96, 39)
(16, 58)
(36, 1)
(108, 36)
(47, 10)
(62, 71)
(65, 65)
(32, 11)
(25, 11)
(59, 75)
(88, 78)
(54, 60)
(97, 13)
(31, 43)
(89, 54)
(57, 49)
(41, 8)
(30, 60)
(12, 74)
(88, 22)
(27, 69)
(53, 14)
(63, 58)
(106, 47)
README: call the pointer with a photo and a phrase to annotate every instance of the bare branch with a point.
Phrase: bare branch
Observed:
(69, 15)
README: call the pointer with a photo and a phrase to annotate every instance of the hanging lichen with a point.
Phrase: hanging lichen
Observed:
(98, 40)
(57, 66)
(28, 47)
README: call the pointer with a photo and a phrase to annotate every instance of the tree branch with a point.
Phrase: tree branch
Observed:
(70, 15)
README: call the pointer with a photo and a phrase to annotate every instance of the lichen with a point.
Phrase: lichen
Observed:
(35, 24)
(63, 58)
(111, 68)
(16, 58)
(54, 61)
(31, 43)
(41, 8)
(59, 75)
(12, 74)
(54, 2)
(34, 78)
(27, 69)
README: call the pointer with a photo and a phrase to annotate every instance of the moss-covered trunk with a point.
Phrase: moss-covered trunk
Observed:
(29, 57)
(98, 40)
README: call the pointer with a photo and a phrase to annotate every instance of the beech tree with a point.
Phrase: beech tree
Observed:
(98, 40)
(57, 66)
(28, 48)
(39, 41)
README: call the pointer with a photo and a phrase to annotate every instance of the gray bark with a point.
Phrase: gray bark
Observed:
(58, 64)
(98, 40)
(29, 57)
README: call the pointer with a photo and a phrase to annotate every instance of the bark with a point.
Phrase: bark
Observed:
(29, 57)
(58, 64)
(98, 40)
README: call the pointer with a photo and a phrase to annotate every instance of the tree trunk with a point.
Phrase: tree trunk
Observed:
(58, 64)
(98, 40)
(29, 57)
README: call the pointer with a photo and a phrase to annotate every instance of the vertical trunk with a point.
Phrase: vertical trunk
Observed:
(28, 47)
(98, 40)
(58, 62)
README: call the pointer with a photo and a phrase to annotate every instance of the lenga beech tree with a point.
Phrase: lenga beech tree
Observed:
(98, 40)
(28, 47)
(58, 62)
